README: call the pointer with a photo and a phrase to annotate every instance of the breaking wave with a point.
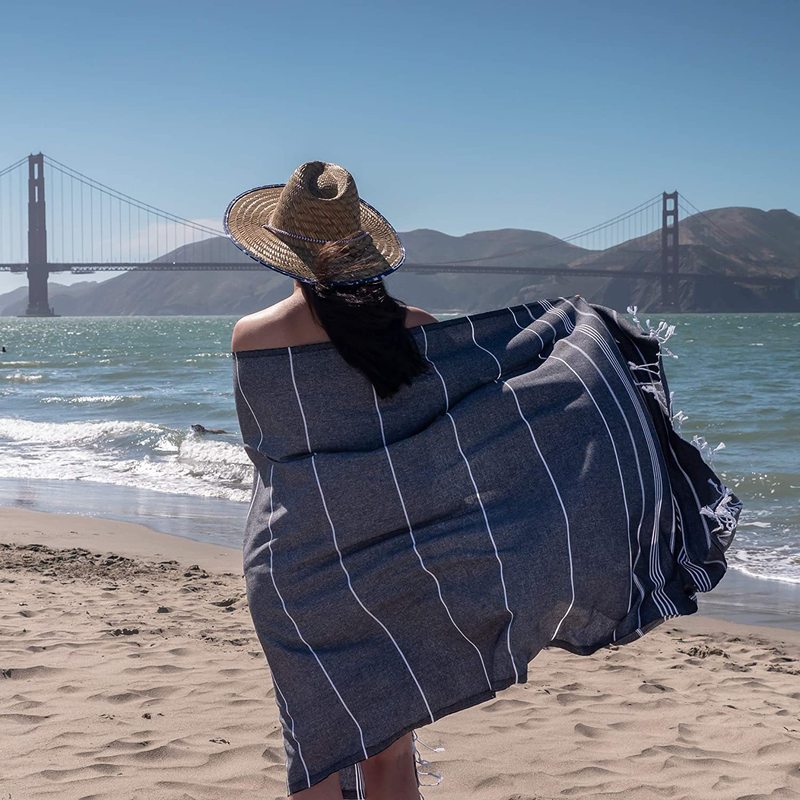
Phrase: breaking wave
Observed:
(132, 453)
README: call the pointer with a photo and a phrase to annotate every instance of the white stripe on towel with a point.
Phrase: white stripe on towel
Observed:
(336, 545)
(414, 541)
(480, 503)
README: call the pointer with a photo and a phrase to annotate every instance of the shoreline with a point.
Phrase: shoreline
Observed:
(184, 516)
(738, 598)
(130, 540)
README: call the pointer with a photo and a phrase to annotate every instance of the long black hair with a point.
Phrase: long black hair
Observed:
(366, 325)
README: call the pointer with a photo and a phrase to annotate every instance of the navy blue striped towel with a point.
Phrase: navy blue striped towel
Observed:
(407, 558)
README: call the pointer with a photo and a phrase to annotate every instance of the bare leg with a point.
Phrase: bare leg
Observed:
(329, 789)
(390, 774)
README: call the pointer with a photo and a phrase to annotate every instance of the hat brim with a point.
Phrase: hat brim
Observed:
(379, 253)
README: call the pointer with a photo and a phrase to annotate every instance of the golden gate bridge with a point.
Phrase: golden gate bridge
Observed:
(83, 226)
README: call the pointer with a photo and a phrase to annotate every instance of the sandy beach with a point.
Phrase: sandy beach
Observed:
(129, 669)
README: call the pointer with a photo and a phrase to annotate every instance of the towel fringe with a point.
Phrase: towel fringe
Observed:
(422, 763)
(651, 368)
(725, 511)
(661, 334)
(652, 389)
(678, 418)
(705, 448)
(651, 384)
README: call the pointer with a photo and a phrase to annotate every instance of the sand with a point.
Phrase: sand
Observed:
(129, 669)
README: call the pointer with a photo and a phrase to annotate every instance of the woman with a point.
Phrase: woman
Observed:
(436, 502)
(368, 328)
(365, 314)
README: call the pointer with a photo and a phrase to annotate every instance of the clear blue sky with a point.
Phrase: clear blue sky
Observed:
(458, 116)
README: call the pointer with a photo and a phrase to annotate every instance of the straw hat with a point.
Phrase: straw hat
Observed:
(284, 226)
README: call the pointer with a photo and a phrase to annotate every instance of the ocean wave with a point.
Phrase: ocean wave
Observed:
(23, 377)
(133, 453)
(768, 567)
(92, 398)
(50, 434)
(4, 364)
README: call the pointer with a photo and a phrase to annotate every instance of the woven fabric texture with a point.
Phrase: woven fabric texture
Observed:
(407, 558)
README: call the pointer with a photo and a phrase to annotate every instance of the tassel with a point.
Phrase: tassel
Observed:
(725, 512)
(678, 418)
(361, 793)
(657, 391)
(663, 332)
(706, 449)
(421, 763)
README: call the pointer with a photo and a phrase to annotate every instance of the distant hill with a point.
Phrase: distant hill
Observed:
(65, 297)
(722, 243)
(749, 235)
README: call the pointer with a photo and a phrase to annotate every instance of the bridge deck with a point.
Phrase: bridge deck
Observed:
(429, 269)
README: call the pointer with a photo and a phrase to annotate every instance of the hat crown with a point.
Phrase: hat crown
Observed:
(320, 201)
(286, 226)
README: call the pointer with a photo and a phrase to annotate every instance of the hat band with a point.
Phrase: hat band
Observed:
(353, 238)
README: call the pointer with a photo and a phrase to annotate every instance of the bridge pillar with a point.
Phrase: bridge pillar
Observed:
(38, 301)
(670, 260)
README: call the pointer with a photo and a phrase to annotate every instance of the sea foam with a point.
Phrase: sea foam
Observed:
(133, 453)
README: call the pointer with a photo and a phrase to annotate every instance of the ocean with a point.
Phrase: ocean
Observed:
(95, 416)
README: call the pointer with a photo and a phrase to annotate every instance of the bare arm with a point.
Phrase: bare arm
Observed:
(271, 327)
(416, 316)
(242, 334)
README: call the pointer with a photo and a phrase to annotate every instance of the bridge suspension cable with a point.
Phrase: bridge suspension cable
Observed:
(132, 200)
(13, 213)
(13, 166)
(90, 222)
(93, 223)
(684, 202)
(641, 219)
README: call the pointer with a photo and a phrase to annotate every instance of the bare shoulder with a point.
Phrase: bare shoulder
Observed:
(263, 329)
(289, 323)
(417, 316)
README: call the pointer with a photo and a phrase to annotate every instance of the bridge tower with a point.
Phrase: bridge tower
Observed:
(670, 259)
(38, 301)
